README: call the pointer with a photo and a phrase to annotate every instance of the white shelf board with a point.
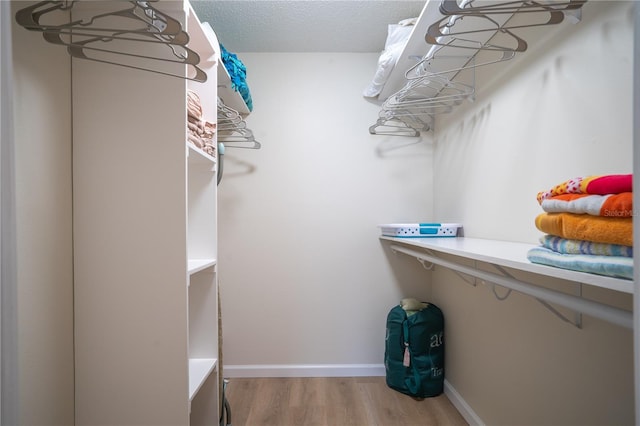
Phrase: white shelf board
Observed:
(511, 255)
(197, 265)
(415, 49)
(199, 38)
(198, 156)
(199, 370)
(230, 97)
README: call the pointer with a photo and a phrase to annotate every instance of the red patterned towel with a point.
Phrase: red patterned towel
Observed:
(597, 185)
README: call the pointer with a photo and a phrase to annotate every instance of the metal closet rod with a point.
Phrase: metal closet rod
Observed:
(604, 312)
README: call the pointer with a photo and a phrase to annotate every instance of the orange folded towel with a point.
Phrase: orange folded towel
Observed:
(599, 229)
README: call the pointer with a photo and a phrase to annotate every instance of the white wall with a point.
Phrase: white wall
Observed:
(303, 277)
(559, 110)
(43, 229)
(563, 110)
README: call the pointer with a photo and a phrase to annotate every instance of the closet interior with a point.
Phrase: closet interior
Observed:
(155, 203)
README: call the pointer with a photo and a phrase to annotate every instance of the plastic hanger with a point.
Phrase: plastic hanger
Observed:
(158, 28)
(451, 7)
(435, 34)
(140, 11)
(180, 39)
(187, 57)
(80, 51)
(425, 67)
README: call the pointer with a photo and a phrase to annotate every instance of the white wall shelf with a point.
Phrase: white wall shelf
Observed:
(198, 156)
(199, 370)
(197, 265)
(230, 97)
(414, 50)
(510, 255)
(513, 255)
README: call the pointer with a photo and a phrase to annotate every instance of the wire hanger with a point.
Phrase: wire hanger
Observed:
(232, 129)
(393, 127)
(393, 123)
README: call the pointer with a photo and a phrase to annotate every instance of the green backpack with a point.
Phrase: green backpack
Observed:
(414, 349)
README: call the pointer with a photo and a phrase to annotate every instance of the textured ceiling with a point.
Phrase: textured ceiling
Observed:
(304, 25)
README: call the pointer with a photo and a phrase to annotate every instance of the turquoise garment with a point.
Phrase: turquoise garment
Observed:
(238, 73)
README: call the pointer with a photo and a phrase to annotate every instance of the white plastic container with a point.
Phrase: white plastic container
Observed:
(420, 230)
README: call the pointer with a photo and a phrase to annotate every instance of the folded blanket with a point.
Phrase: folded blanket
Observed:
(599, 229)
(194, 106)
(612, 266)
(610, 205)
(599, 185)
(563, 245)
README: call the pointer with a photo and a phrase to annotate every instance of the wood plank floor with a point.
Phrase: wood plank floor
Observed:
(332, 401)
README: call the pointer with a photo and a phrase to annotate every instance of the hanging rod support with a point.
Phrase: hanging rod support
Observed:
(604, 312)
(577, 322)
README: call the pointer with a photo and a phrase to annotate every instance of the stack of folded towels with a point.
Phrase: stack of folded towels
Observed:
(199, 131)
(588, 226)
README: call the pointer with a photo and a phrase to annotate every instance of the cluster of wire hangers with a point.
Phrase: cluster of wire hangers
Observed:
(153, 41)
(435, 84)
(232, 129)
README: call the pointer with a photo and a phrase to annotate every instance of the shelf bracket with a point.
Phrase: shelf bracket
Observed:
(428, 267)
(577, 320)
(576, 303)
(471, 280)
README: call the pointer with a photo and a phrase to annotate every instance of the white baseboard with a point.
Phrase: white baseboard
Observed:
(461, 405)
(304, 370)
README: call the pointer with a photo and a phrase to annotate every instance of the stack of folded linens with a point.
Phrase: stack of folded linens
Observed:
(588, 226)
(199, 131)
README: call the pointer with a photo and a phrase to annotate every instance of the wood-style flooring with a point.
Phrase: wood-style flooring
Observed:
(332, 401)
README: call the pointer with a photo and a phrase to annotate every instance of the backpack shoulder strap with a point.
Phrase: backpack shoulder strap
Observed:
(413, 382)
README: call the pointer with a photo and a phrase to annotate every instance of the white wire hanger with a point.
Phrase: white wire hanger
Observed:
(232, 129)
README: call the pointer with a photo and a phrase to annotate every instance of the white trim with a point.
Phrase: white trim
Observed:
(461, 405)
(9, 382)
(304, 370)
(636, 218)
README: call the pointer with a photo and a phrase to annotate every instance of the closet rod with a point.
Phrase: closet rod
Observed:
(608, 313)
